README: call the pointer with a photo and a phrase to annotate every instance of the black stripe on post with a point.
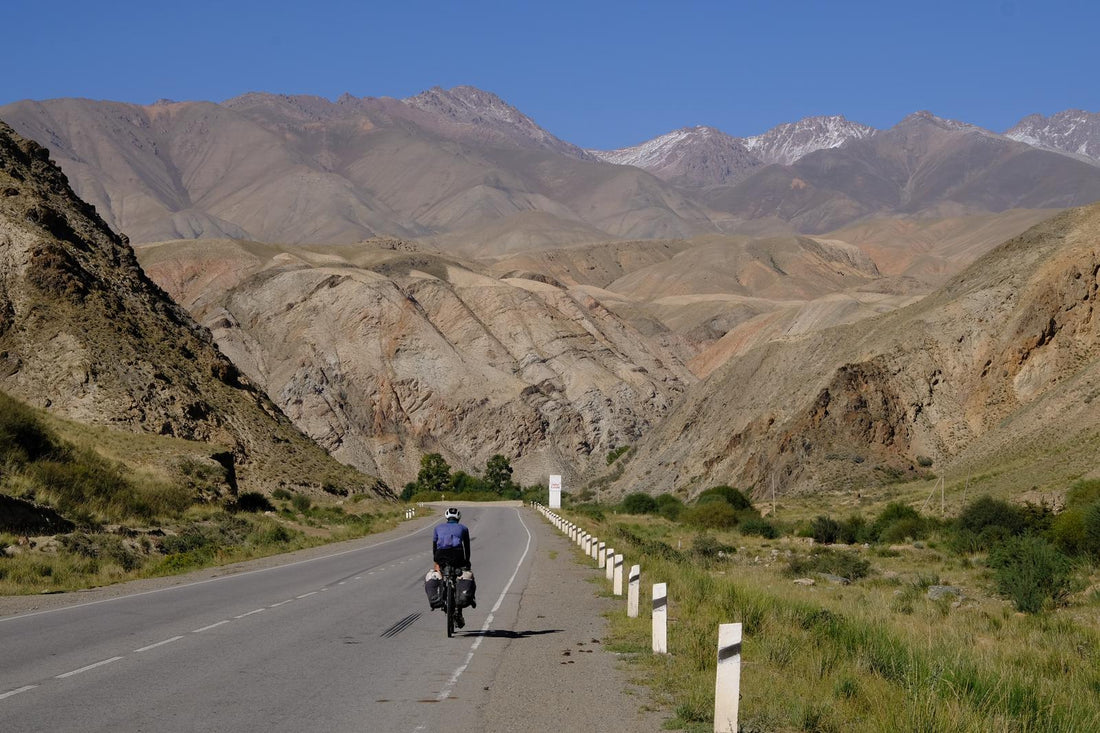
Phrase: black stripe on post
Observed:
(730, 651)
(660, 603)
(635, 577)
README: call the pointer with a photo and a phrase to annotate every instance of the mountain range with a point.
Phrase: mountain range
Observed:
(466, 171)
(440, 274)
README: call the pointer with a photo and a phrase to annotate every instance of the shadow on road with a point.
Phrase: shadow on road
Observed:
(507, 634)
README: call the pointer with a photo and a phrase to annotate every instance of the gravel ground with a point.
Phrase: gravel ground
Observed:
(564, 679)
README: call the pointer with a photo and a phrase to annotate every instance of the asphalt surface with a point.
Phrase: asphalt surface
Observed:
(337, 642)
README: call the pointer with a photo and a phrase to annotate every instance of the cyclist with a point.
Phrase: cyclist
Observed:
(451, 546)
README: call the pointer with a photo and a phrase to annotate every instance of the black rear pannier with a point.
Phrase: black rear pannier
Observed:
(465, 587)
(433, 587)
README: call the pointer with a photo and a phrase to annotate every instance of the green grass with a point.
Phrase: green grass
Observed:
(146, 505)
(876, 655)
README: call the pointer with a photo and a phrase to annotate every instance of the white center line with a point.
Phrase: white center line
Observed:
(159, 643)
(211, 626)
(280, 603)
(307, 595)
(258, 610)
(341, 582)
(85, 669)
(16, 692)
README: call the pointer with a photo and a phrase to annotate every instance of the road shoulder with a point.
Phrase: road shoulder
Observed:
(557, 675)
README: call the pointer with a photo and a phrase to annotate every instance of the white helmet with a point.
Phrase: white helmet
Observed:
(452, 513)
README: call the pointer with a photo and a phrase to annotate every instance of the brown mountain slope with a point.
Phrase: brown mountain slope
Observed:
(307, 170)
(996, 371)
(86, 334)
(382, 354)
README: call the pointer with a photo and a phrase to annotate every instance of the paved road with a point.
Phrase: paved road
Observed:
(338, 643)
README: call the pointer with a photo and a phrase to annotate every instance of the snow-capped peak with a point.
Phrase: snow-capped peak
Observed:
(1072, 131)
(786, 143)
(700, 156)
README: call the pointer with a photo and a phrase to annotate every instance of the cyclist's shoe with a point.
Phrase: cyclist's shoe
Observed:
(459, 621)
(473, 603)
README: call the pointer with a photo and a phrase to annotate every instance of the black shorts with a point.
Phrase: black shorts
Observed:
(453, 556)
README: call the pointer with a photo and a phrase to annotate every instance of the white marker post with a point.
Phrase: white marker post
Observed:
(555, 491)
(593, 546)
(588, 544)
(601, 555)
(727, 684)
(634, 587)
(610, 563)
(618, 587)
(660, 618)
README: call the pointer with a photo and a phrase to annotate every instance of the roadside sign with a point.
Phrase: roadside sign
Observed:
(555, 492)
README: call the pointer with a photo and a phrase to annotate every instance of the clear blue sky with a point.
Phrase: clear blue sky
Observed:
(599, 74)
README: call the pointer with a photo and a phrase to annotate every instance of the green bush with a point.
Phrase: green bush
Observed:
(710, 515)
(1032, 573)
(897, 522)
(707, 547)
(760, 527)
(845, 563)
(614, 453)
(639, 503)
(281, 494)
(301, 503)
(669, 507)
(734, 497)
(824, 530)
(989, 512)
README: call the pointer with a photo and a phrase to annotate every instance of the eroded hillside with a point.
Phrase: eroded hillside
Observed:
(997, 369)
(382, 352)
(86, 334)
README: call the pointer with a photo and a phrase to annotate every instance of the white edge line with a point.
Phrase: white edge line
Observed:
(306, 595)
(12, 693)
(214, 580)
(281, 603)
(85, 669)
(159, 643)
(211, 626)
(449, 687)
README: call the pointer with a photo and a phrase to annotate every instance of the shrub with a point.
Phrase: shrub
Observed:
(854, 529)
(845, 563)
(910, 520)
(824, 530)
(639, 503)
(904, 529)
(284, 495)
(301, 503)
(710, 515)
(253, 501)
(669, 507)
(734, 497)
(705, 546)
(614, 454)
(1031, 573)
(989, 512)
(760, 527)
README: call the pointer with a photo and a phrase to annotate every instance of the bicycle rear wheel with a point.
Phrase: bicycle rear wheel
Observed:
(450, 608)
